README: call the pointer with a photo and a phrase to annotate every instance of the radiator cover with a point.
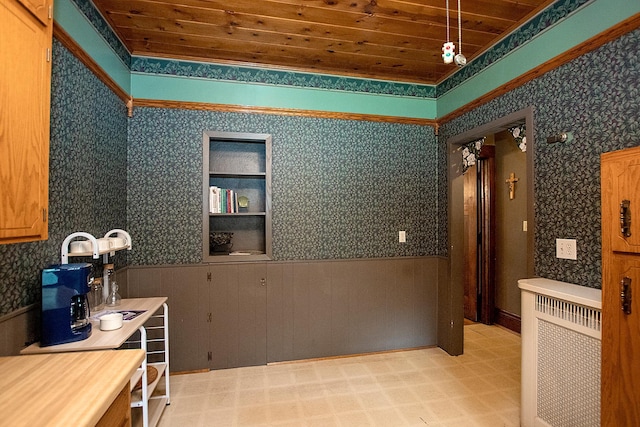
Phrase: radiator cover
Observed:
(561, 334)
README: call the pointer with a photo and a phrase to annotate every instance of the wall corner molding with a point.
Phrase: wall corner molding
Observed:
(67, 41)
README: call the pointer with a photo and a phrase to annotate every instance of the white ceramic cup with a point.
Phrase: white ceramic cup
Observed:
(111, 321)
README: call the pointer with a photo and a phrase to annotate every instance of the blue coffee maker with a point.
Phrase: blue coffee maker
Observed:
(65, 308)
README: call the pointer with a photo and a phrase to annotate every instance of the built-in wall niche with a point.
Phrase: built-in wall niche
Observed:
(236, 222)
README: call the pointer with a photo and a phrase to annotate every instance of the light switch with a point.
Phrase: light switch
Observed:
(402, 236)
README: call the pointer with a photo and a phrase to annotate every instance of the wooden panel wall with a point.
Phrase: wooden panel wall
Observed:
(311, 309)
(320, 309)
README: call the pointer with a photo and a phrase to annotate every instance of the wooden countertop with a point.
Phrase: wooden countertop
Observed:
(63, 389)
(105, 340)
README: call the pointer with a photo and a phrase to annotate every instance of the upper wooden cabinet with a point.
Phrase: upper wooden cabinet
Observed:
(41, 9)
(621, 214)
(25, 91)
(620, 189)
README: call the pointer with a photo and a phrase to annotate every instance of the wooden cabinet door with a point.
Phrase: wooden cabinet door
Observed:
(238, 295)
(40, 9)
(25, 80)
(621, 344)
(187, 291)
(188, 320)
(620, 182)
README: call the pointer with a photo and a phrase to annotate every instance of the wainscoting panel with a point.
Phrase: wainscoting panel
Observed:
(313, 309)
(320, 309)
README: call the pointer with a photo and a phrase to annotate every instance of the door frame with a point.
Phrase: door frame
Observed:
(454, 297)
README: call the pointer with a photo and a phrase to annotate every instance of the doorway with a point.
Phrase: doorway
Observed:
(456, 213)
(496, 226)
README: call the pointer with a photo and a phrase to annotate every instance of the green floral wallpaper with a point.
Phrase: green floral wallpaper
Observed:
(87, 176)
(340, 188)
(597, 98)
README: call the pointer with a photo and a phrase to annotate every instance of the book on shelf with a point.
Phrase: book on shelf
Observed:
(222, 200)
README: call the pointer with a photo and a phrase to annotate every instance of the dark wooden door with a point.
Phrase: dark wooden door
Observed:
(620, 185)
(479, 238)
(471, 244)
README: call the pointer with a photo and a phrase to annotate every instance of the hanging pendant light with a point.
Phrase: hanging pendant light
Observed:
(448, 48)
(460, 59)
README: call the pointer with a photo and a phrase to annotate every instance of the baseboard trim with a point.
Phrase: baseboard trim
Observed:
(346, 356)
(508, 320)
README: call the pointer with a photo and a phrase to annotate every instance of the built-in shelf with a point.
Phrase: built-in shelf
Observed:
(238, 175)
(240, 163)
(239, 214)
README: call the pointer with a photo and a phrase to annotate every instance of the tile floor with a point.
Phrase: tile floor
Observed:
(409, 388)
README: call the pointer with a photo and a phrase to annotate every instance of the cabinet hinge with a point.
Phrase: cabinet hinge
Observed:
(44, 214)
(208, 276)
(209, 356)
(48, 55)
(209, 318)
(50, 11)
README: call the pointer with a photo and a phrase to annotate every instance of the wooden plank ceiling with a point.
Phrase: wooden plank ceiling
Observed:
(397, 40)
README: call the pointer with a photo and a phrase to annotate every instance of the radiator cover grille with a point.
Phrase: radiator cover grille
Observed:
(561, 342)
(578, 315)
(568, 377)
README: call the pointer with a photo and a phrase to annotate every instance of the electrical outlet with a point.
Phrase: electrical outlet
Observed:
(402, 236)
(566, 249)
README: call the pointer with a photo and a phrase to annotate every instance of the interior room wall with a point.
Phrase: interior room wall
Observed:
(595, 98)
(511, 240)
(340, 188)
(87, 176)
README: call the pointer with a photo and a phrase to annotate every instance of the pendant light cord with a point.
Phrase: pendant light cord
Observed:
(459, 28)
(448, 37)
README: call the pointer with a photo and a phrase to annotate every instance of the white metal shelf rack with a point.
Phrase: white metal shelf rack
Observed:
(148, 331)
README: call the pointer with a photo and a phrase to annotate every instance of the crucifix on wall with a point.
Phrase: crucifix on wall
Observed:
(512, 185)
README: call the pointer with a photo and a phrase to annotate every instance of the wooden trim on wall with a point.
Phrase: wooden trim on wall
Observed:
(68, 42)
(508, 320)
(593, 43)
(587, 46)
(185, 105)
(77, 51)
